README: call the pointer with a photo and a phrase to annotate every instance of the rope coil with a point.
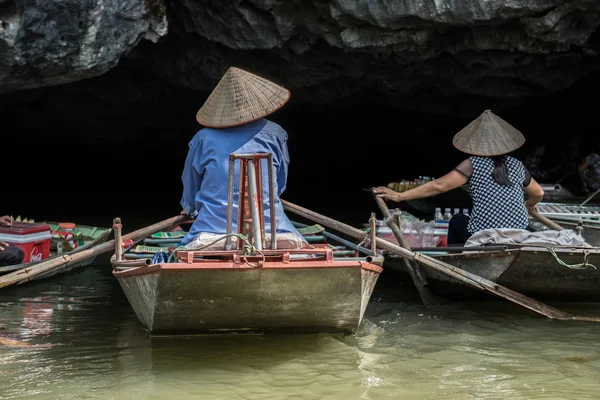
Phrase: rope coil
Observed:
(249, 249)
(583, 265)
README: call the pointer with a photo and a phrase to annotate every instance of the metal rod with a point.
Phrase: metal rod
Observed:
(131, 263)
(592, 223)
(343, 253)
(230, 202)
(377, 260)
(457, 249)
(254, 205)
(271, 172)
(340, 240)
(315, 238)
(591, 197)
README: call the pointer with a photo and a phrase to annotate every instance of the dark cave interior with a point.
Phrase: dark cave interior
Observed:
(115, 146)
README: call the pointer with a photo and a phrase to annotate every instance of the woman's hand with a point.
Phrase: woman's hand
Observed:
(531, 207)
(5, 220)
(387, 193)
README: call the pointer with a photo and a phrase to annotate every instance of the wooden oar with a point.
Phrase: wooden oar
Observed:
(458, 274)
(26, 274)
(546, 221)
(413, 268)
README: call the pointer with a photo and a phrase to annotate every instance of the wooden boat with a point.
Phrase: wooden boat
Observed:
(92, 236)
(257, 288)
(558, 273)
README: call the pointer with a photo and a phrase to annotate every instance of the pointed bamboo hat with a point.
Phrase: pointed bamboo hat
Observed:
(488, 135)
(241, 97)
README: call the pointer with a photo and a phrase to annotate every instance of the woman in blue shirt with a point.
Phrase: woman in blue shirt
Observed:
(234, 119)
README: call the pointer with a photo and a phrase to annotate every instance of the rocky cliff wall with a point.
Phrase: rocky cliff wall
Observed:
(324, 51)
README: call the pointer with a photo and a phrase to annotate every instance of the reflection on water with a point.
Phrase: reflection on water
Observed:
(75, 336)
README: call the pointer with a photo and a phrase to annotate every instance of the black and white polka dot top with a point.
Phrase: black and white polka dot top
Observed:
(494, 205)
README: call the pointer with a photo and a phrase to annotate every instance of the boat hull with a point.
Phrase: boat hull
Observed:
(533, 271)
(94, 237)
(182, 298)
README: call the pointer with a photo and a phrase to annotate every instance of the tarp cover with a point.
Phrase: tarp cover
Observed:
(564, 237)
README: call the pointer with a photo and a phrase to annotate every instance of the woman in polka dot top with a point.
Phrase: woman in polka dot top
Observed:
(501, 187)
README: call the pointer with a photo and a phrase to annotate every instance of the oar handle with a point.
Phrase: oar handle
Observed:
(545, 220)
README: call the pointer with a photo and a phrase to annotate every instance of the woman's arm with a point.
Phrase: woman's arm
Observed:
(451, 180)
(191, 184)
(535, 193)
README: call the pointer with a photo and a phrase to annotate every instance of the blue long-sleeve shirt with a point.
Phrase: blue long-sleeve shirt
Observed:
(206, 174)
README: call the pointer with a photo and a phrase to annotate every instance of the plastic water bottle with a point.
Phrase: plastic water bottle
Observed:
(456, 211)
(466, 212)
(437, 216)
(447, 214)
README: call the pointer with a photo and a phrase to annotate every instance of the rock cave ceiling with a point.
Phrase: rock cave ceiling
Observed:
(404, 53)
(119, 76)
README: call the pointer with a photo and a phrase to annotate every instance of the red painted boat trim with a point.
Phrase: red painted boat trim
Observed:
(232, 266)
(371, 267)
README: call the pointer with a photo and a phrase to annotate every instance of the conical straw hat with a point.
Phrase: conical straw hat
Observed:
(488, 135)
(241, 97)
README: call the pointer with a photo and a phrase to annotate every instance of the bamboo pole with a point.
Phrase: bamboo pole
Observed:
(26, 274)
(463, 276)
(373, 222)
(118, 242)
(413, 268)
